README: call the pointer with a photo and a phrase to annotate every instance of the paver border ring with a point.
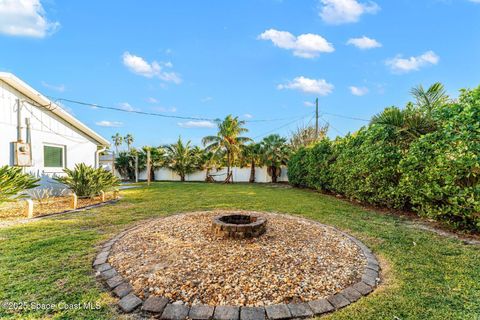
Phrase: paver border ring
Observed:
(160, 306)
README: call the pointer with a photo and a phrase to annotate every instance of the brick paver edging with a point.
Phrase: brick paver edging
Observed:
(161, 306)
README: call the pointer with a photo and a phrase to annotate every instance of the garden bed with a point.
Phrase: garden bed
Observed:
(18, 209)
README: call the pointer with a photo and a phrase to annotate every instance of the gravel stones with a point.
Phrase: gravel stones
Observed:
(178, 257)
(297, 269)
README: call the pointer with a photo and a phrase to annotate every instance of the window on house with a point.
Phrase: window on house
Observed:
(53, 156)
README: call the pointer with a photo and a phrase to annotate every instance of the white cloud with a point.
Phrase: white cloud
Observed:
(59, 88)
(140, 66)
(358, 91)
(152, 100)
(197, 124)
(404, 65)
(317, 86)
(345, 11)
(25, 18)
(248, 116)
(127, 107)
(106, 123)
(306, 45)
(364, 43)
(308, 104)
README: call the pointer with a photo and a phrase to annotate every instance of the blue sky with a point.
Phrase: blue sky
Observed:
(258, 59)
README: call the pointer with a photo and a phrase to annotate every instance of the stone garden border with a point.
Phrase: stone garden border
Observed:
(160, 306)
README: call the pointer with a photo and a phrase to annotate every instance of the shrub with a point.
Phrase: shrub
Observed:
(441, 171)
(297, 168)
(13, 182)
(366, 167)
(86, 181)
(318, 161)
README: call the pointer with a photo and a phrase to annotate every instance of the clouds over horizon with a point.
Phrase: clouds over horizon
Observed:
(110, 124)
(345, 11)
(358, 91)
(197, 124)
(364, 43)
(25, 18)
(401, 65)
(140, 66)
(306, 45)
(307, 85)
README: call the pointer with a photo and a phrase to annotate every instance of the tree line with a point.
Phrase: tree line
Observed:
(228, 148)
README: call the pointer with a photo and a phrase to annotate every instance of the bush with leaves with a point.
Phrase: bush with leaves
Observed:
(13, 182)
(297, 168)
(86, 181)
(318, 162)
(366, 167)
(441, 171)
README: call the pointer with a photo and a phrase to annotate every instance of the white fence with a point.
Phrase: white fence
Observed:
(239, 175)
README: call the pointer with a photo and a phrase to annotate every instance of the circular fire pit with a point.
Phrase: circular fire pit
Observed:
(239, 226)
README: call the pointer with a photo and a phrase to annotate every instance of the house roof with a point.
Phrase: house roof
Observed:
(37, 97)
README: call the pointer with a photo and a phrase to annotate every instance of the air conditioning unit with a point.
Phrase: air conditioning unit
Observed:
(23, 154)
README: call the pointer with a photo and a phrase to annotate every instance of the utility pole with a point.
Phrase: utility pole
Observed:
(316, 118)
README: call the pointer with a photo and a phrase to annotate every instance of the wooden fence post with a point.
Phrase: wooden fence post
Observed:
(74, 201)
(29, 210)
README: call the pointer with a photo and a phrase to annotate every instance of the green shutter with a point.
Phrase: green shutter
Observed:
(52, 156)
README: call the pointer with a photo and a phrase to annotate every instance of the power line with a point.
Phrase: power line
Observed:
(328, 123)
(94, 105)
(345, 117)
(133, 111)
(282, 126)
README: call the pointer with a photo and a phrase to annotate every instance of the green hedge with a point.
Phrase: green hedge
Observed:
(436, 174)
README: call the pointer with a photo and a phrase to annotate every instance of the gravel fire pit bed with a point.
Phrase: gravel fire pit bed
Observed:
(298, 264)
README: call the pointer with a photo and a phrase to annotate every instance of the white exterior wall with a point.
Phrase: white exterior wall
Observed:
(46, 128)
(239, 175)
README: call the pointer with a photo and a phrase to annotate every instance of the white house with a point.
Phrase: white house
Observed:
(40, 136)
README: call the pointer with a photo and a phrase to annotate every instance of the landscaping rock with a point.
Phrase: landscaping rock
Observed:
(110, 273)
(351, 294)
(175, 312)
(155, 304)
(114, 282)
(338, 301)
(226, 313)
(103, 267)
(321, 306)
(122, 290)
(278, 312)
(201, 312)
(129, 303)
(300, 310)
(363, 288)
(252, 313)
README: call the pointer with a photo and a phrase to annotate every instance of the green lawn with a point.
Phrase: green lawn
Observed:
(426, 276)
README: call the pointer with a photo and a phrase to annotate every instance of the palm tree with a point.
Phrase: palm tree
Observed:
(227, 140)
(157, 159)
(416, 118)
(182, 158)
(117, 141)
(251, 156)
(275, 153)
(128, 140)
